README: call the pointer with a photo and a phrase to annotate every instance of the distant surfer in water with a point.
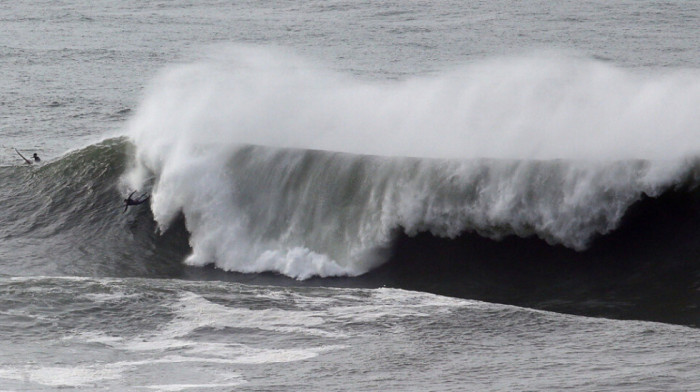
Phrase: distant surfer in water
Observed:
(134, 202)
(35, 156)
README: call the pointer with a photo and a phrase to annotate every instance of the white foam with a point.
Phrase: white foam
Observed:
(240, 354)
(619, 134)
(191, 361)
(58, 376)
(193, 312)
(184, 387)
(102, 374)
(276, 356)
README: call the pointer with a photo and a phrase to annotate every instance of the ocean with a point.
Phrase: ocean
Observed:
(350, 196)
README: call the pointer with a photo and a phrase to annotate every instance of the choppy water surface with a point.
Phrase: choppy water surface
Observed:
(134, 334)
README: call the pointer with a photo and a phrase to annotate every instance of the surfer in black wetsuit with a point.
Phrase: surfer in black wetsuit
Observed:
(35, 156)
(131, 202)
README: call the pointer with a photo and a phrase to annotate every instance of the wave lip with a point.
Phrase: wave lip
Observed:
(280, 165)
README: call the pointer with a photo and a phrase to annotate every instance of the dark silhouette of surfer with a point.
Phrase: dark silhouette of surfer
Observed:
(134, 202)
(35, 156)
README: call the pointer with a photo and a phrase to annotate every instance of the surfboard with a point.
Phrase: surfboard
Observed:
(23, 157)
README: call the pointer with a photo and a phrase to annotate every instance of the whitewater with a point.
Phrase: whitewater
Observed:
(279, 164)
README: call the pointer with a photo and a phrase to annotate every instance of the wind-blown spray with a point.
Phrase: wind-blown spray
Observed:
(279, 164)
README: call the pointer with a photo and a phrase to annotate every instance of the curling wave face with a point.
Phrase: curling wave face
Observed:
(66, 217)
(278, 164)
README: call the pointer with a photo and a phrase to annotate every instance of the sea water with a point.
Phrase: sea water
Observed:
(350, 195)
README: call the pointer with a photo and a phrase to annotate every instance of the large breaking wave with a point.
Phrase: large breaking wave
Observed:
(279, 164)
(66, 218)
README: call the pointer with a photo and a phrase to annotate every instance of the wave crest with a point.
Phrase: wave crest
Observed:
(280, 165)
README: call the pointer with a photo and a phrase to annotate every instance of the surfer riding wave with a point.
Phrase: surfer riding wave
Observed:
(134, 202)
